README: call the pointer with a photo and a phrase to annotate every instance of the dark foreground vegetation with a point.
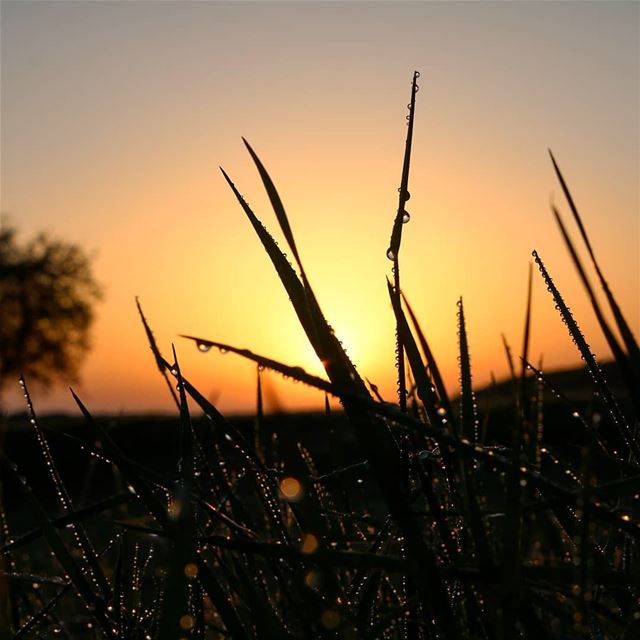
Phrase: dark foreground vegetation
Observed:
(509, 515)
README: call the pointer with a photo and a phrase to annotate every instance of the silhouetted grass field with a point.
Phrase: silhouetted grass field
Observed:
(511, 513)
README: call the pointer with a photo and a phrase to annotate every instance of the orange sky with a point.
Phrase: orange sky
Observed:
(115, 117)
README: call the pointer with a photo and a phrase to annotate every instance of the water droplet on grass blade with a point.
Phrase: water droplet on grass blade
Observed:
(203, 347)
(406, 216)
(390, 254)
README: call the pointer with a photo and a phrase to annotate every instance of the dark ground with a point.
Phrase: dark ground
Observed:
(152, 440)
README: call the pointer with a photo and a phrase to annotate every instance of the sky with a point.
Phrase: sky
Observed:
(115, 117)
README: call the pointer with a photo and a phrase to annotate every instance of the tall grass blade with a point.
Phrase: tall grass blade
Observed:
(617, 351)
(432, 365)
(327, 347)
(590, 361)
(623, 327)
(186, 431)
(403, 191)
(468, 417)
(524, 436)
(156, 353)
(402, 216)
(277, 205)
(426, 391)
(526, 336)
(260, 437)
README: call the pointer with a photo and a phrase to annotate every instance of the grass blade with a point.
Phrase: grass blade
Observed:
(426, 392)
(432, 365)
(625, 331)
(590, 361)
(327, 347)
(403, 191)
(156, 353)
(468, 415)
(297, 373)
(277, 205)
(402, 216)
(619, 355)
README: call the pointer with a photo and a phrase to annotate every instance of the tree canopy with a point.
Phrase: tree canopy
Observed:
(47, 296)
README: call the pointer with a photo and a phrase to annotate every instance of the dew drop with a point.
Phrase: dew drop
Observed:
(203, 347)
(406, 216)
(390, 254)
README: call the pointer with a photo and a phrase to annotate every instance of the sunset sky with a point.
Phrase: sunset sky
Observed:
(117, 115)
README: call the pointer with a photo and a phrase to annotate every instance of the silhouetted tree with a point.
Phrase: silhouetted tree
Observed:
(47, 293)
